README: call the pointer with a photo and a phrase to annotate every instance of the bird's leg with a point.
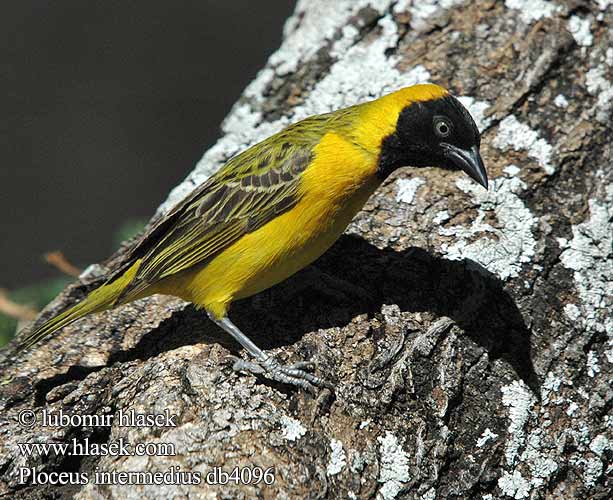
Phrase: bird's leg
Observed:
(294, 374)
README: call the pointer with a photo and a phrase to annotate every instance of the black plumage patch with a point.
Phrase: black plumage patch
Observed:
(415, 141)
(263, 163)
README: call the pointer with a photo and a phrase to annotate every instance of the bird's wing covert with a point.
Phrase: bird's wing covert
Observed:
(249, 191)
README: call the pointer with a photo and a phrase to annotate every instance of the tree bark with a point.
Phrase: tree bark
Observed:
(468, 334)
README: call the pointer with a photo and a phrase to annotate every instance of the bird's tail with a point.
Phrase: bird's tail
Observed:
(102, 298)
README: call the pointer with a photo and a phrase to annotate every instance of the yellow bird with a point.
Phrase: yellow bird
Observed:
(276, 207)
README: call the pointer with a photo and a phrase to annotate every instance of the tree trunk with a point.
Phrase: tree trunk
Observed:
(468, 335)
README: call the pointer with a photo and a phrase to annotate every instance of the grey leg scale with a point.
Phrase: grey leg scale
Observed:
(295, 374)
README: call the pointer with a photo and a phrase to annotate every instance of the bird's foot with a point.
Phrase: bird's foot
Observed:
(295, 374)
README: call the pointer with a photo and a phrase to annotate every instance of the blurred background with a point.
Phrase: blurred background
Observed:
(106, 106)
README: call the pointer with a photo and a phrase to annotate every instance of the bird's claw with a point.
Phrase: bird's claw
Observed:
(295, 374)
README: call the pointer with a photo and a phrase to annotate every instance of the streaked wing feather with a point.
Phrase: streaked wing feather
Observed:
(252, 189)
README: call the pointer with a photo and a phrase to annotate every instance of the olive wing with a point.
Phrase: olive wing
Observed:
(251, 190)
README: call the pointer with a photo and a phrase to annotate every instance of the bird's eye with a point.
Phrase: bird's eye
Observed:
(442, 126)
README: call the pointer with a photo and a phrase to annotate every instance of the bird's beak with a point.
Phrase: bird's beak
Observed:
(468, 160)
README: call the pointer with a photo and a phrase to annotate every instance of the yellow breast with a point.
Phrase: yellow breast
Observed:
(333, 189)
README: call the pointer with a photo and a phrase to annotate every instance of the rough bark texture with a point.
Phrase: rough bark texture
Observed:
(469, 335)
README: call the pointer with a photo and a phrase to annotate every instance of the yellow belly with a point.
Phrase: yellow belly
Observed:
(334, 188)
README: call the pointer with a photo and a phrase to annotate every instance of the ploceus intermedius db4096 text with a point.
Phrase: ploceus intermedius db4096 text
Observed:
(274, 208)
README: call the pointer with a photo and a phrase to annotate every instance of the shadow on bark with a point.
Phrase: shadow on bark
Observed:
(354, 278)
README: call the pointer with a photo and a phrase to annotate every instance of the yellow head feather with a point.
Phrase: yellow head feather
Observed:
(378, 118)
